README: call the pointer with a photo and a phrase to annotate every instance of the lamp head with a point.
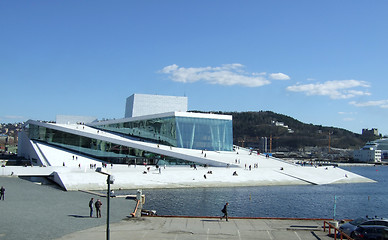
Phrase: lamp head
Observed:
(102, 171)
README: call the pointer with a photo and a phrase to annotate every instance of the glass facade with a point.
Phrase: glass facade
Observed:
(98, 149)
(382, 144)
(204, 134)
(161, 130)
(183, 132)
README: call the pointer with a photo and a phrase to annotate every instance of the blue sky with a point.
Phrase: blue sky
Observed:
(321, 62)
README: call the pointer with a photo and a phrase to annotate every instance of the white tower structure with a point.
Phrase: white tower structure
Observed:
(146, 104)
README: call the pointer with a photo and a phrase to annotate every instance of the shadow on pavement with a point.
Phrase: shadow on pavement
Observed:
(78, 216)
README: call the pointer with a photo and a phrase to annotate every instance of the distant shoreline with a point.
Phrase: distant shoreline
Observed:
(339, 164)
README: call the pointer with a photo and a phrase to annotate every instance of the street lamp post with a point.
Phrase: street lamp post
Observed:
(109, 181)
(108, 209)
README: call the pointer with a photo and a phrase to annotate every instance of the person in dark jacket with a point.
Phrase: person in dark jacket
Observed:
(225, 211)
(2, 193)
(98, 207)
(91, 207)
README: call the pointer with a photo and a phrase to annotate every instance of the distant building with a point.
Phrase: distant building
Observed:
(371, 132)
(368, 154)
(382, 145)
(263, 144)
(281, 124)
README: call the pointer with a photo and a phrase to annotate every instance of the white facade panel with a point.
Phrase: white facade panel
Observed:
(68, 119)
(145, 104)
(367, 155)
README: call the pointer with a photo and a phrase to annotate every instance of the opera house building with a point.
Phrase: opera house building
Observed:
(152, 120)
(157, 144)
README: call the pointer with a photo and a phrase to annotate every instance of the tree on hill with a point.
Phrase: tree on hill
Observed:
(289, 133)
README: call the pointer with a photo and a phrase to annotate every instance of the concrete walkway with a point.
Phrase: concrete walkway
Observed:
(34, 211)
(206, 228)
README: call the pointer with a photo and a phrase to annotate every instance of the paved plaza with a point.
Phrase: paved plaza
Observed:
(206, 228)
(34, 211)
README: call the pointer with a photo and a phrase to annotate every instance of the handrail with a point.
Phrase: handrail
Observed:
(134, 212)
(341, 234)
(41, 152)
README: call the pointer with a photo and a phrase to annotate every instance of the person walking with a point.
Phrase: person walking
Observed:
(98, 207)
(91, 206)
(225, 211)
(2, 193)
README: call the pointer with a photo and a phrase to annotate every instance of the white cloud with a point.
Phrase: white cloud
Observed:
(259, 74)
(347, 113)
(342, 89)
(227, 74)
(378, 103)
(348, 119)
(279, 76)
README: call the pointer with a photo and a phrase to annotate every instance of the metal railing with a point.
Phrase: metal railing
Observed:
(338, 234)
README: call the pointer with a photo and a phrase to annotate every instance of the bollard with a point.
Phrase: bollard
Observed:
(334, 223)
(140, 202)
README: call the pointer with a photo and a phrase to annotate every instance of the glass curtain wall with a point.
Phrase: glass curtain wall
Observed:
(204, 134)
(183, 132)
(98, 149)
(160, 130)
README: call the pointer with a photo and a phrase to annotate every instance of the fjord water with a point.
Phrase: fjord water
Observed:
(339, 201)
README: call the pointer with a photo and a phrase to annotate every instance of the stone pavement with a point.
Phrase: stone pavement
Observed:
(179, 228)
(34, 211)
(44, 212)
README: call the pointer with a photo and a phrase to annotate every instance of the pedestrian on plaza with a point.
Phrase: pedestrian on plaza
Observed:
(91, 206)
(98, 207)
(225, 212)
(2, 193)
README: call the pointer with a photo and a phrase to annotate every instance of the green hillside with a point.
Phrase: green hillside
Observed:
(249, 127)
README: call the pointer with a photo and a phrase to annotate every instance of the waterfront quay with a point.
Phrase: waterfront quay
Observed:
(34, 211)
(179, 228)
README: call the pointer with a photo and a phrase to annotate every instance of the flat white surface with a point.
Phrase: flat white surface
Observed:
(77, 174)
(146, 104)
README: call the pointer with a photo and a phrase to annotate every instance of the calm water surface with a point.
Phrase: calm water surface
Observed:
(307, 201)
